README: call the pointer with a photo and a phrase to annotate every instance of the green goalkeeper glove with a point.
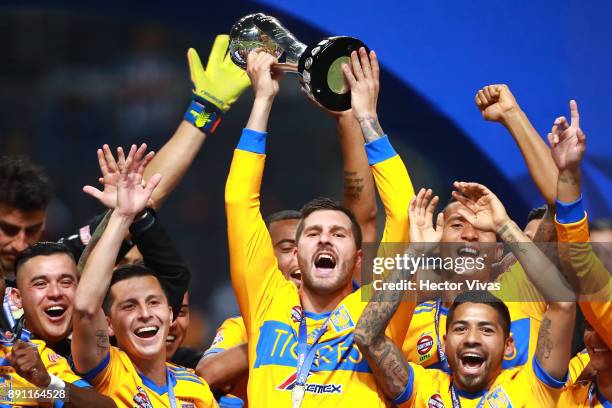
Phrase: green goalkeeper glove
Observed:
(216, 88)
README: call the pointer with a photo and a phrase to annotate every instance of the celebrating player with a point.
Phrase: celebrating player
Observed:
(139, 315)
(477, 338)
(278, 317)
(46, 281)
(568, 144)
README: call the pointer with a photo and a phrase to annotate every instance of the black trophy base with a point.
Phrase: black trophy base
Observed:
(320, 68)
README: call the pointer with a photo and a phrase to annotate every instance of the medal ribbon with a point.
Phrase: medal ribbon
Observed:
(457, 402)
(441, 355)
(171, 396)
(306, 354)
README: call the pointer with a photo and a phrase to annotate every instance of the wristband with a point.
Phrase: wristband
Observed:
(379, 150)
(143, 222)
(252, 141)
(203, 115)
(56, 383)
(568, 213)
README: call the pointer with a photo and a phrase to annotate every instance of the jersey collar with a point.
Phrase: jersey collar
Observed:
(154, 387)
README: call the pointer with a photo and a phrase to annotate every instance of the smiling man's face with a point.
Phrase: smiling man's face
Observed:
(46, 285)
(462, 239)
(140, 317)
(475, 344)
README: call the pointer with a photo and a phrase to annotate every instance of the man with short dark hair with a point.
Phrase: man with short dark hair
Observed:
(477, 338)
(278, 317)
(138, 313)
(534, 218)
(24, 195)
(46, 281)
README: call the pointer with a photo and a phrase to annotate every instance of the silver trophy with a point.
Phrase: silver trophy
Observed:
(319, 67)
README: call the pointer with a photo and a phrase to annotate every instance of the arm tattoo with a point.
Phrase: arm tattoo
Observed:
(508, 235)
(545, 344)
(371, 129)
(546, 231)
(384, 358)
(546, 236)
(389, 367)
(102, 342)
(568, 180)
(353, 185)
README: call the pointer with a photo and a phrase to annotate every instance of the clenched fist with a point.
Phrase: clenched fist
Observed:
(496, 102)
(25, 359)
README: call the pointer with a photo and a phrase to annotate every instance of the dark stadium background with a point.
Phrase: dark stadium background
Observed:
(76, 75)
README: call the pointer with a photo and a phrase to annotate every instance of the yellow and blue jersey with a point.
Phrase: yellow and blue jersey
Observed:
(271, 307)
(54, 363)
(421, 345)
(117, 377)
(230, 334)
(526, 386)
(583, 395)
(577, 365)
(596, 285)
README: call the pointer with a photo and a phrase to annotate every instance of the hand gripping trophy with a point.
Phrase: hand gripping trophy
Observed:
(319, 67)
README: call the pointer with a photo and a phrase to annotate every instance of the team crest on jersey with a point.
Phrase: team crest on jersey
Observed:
(435, 401)
(6, 384)
(341, 319)
(218, 338)
(53, 357)
(498, 399)
(424, 346)
(142, 399)
(311, 388)
(296, 314)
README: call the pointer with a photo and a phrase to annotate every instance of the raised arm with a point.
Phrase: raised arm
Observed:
(485, 211)
(359, 193)
(156, 247)
(568, 144)
(554, 347)
(390, 175)
(253, 265)
(215, 89)
(497, 104)
(90, 339)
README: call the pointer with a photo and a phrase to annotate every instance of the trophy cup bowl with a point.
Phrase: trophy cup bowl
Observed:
(246, 37)
(319, 66)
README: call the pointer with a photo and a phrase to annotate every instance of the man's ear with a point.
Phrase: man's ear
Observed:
(358, 260)
(111, 332)
(171, 314)
(443, 344)
(16, 298)
(509, 346)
